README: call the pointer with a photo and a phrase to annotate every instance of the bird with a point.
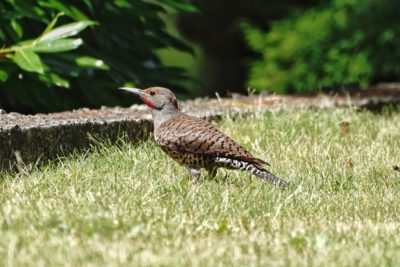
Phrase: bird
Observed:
(195, 143)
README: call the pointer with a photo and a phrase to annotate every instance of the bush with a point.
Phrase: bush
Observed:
(120, 50)
(346, 42)
(215, 29)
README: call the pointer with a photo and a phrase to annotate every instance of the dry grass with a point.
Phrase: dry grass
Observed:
(131, 205)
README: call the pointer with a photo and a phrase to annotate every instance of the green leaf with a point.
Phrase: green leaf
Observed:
(66, 8)
(179, 5)
(23, 43)
(3, 75)
(28, 60)
(51, 24)
(17, 27)
(2, 36)
(28, 9)
(66, 30)
(91, 63)
(54, 79)
(57, 45)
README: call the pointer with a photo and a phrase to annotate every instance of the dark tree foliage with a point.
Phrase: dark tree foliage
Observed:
(344, 42)
(216, 28)
(119, 50)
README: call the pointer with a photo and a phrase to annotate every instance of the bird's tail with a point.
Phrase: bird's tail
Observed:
(267, 176)
(254, 169)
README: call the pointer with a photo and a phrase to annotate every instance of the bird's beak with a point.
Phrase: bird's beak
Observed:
(135, 91)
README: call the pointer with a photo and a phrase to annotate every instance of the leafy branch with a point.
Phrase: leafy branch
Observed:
(52, 40)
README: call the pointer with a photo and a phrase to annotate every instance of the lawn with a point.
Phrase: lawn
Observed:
(131, 205)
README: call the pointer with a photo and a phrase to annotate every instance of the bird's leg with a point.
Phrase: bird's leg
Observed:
(194, 172)
(225, 177)
(212, 171)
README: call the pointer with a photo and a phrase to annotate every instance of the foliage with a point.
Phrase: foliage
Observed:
(215, 28)
(132, 205)
(25, 54)
(348, 41)
(120, 49)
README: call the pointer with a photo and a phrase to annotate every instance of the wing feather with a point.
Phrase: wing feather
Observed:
(187, 134)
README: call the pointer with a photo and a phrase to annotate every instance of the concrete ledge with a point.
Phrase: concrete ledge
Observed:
(47, 142)
(29, 138)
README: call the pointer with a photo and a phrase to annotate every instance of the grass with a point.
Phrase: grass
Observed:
(132, 205)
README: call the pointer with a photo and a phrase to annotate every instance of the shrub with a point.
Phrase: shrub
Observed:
(346, 42)
(120, 50)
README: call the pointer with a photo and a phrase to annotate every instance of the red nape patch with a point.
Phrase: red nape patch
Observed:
(148, 103)
(175, 103)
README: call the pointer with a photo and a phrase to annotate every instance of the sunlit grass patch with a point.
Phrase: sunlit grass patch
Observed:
(131, 205)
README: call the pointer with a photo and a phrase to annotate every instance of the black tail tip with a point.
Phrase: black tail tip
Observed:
(281, 183)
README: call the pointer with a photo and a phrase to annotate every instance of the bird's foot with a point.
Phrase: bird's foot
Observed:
(195, 173)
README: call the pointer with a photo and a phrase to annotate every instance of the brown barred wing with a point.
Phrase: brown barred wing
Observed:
(187, 134)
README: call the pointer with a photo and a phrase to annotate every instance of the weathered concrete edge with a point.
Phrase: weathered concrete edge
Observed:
(31, 145)
(47, 143)
(35, 142)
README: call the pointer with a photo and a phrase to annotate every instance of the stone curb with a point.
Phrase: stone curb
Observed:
(27, 139)
(29, 145)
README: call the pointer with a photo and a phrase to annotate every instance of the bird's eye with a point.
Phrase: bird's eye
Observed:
(152, 93)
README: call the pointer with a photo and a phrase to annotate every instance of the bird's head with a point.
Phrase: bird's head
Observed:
(156, 98)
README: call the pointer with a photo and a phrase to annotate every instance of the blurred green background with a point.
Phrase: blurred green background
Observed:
(59, 55)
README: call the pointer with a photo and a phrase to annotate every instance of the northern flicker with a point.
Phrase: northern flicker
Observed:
(194, 142)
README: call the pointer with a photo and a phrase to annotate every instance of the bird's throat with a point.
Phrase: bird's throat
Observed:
(148, 103)
(162, 116)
